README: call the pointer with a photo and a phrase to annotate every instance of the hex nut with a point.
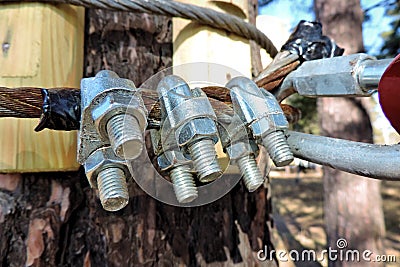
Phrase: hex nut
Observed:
(171, 158)
(197, 129)
(99, 160)
(93, 92)
(116, 103)
(269, 124)
(239, 150)
(335, 76)
(233, 132)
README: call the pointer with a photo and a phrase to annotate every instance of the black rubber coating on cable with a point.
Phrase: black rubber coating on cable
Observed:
(61, 110)
(308, 42)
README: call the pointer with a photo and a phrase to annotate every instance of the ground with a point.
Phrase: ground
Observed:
(298, 214)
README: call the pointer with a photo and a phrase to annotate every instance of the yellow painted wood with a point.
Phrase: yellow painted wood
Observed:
(41, 45)
(193, 42)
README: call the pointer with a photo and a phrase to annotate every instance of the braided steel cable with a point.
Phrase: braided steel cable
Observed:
(202, 15)
(27, 102)
(21, 103)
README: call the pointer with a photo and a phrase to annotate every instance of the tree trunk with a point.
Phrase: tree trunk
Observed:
(353, 204)
(55, 219)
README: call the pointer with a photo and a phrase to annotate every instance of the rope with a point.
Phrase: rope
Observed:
(202, 15)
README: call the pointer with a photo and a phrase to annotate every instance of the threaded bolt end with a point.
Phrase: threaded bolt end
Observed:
(184, 185)
(205, 160)
(278, 148)
(251, 173)
(125, 136)
(113, 190)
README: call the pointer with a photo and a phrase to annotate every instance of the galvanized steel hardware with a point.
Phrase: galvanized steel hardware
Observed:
(114, 119)
(112, 124)
(171, 159)
(352, 75)
(240, 149)
(188, 115)
(262, 114)
(370, 160)
(113, 114)
(108, 173)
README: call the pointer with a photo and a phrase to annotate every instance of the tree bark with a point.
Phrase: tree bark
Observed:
(55, 219)
(353, 204)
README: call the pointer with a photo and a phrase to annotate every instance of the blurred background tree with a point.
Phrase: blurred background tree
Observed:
(391, 46)
(350, 213)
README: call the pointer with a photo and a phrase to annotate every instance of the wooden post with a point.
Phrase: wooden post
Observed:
(198, 43)
(42, 45)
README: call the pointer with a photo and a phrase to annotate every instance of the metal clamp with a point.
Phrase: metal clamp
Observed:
(113, 113)
(188, 114)
(261, 113)
(113, 120)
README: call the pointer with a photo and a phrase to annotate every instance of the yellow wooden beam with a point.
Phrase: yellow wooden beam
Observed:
(41, 45)
(193, 42)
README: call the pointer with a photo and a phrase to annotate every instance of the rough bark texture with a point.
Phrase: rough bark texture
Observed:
(353, 204)
(55, 219)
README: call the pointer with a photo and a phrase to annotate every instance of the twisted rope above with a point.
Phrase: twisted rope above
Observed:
(202, 15)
